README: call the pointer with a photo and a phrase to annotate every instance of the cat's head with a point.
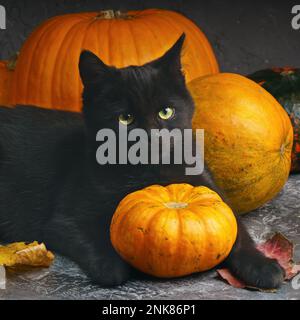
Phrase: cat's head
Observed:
(151, 96)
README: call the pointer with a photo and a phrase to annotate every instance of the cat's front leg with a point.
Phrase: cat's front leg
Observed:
(245, 261)
(250, 266)
(90, 247)
(107, 269)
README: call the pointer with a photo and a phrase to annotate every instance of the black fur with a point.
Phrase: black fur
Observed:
(53, 190)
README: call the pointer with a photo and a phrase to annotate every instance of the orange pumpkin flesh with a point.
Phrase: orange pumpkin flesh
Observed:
(47, 69)
(5, 82)
(248, 138)
(173, 231)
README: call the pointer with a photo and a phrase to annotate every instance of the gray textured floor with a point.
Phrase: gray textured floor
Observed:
(64, 280)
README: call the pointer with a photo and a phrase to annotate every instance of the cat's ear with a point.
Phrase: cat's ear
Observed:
(91, 68)
(172, 58)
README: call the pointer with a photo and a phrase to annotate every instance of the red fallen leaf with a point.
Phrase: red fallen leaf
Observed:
(281, 249)
(226, 275)
(277, 247)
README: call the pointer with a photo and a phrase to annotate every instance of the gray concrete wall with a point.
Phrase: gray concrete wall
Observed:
(246, 35)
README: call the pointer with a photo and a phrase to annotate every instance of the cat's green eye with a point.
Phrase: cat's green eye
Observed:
(126, 119)
(166, 113)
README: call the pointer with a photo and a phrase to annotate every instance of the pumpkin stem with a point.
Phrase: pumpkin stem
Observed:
(12, 61)
(176, 205)
(112, 14)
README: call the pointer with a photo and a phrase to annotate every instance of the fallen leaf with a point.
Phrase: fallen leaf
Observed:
(277, 247)
(226, 275)
(22, 254)
(281, 249)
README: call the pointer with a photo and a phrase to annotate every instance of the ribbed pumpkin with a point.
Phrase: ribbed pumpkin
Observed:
(284, 85)
(6, 74)
(248, 138)
(47, 70)
(173, 231)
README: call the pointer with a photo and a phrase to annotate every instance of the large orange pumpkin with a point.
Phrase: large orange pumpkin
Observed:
(248, 138)
(47, 70)
(6, 74)
(173, 231)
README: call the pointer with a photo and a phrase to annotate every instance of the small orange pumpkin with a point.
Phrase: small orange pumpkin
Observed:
(173, 231)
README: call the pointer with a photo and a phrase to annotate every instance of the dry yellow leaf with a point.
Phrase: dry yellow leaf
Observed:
(22, 254)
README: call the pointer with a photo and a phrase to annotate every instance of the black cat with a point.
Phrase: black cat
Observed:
(53, 190)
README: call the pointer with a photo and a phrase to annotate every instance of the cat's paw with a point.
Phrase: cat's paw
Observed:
(110, 272)
(265, 274)
(256, 270)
